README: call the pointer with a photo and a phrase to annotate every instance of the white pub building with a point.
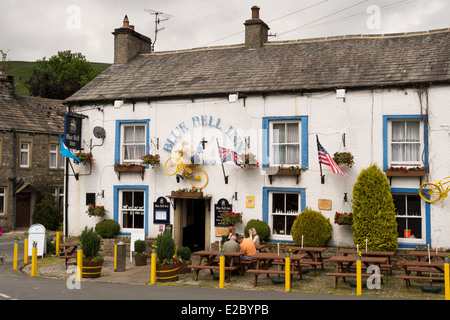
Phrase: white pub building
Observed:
(384, 98)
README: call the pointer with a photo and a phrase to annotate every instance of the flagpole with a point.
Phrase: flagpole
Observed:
(223, 169)
(322, 177)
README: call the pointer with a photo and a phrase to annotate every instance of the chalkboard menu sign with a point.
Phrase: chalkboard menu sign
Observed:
(222, 206)
(161, 210)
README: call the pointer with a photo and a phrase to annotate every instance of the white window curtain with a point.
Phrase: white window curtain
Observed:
(286, 143)
(406, 143)
(134, 142)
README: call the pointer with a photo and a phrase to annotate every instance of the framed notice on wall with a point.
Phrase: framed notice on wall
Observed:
(161, 211)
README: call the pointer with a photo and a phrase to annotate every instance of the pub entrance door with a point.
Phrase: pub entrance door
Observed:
(194, 217)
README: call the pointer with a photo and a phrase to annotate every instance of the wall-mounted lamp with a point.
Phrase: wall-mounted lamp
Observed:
(118, 103)
(233, 97)
(340, 94)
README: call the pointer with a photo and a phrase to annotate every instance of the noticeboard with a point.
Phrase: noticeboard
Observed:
(161, 211)
(72, 131)
(36, 234)
(222, 206)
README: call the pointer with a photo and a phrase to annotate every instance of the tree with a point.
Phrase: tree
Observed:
(374, 212)
(47, 213)
(60, 76)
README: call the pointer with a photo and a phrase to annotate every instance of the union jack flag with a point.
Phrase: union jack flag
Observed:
(229, 155)
(326, 159)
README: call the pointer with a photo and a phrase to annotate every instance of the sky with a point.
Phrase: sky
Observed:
(34, 29)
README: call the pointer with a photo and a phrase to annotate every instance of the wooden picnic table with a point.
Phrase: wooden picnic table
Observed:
(385, 254)
(345, 263)
(68, 251)
(419, 255)
(262, 248)
(265, 260)
(211, 262)
(314, 254)
(433, 267)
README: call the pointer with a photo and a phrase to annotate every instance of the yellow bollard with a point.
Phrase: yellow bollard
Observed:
(221, 270)
(34, 260)
(153, 268)
(16, 250)
(58, 234)
(447, 279)
(115, 257)
(358, 275)
(25, 250)
(79, 263)
(287, 272)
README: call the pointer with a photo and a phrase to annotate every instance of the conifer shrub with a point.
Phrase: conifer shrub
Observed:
(261, 227)
(90, 242)
(374, 212)
(47, 213)
(313, 226)
(165, 247)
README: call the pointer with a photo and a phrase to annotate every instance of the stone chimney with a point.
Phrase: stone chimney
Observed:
(256, 31)
(6, 84)
(129, 43)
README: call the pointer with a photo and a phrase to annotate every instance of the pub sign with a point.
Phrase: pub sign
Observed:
(72, 131)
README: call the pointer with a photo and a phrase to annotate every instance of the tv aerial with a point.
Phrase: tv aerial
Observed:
(159, 17)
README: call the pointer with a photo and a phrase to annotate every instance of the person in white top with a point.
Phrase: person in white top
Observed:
(252, 234)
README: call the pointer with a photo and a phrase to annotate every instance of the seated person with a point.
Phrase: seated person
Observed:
(253, 235)
(231, 245)
(247, 246)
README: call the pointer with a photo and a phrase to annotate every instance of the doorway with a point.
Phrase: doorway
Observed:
(194, 218)
(23, 206)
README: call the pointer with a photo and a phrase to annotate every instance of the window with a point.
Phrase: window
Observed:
(281, 208)
(24, 154)
(404, 142)
(413, 217)
(2, 201)
(133, 209)
(285, 141)
(53, 157)
(132, 141)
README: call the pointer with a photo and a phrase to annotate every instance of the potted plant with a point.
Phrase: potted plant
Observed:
(250, 161)
(344, 158)
(96, 211)
(184, 253)
(85, 158)
(129, 167)
(140, 255)
(152, 160)
(231, 218)
(406, 171)
(186, 192)
(343, 218)
(92, 261)
(167, 266)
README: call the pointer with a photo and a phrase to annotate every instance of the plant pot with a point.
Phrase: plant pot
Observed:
(132, 169)
(295, 172)
(197, 194)
(92, 269)
(140, 260)
(184, 269)
(403, 173)
(168, 272)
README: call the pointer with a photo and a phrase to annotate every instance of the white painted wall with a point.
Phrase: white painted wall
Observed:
(360, 117)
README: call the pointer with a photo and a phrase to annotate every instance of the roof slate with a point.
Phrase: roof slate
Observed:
(32, 114)
(313, 64)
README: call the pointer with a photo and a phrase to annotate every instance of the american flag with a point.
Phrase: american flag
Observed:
(229, 155)
(326, 159)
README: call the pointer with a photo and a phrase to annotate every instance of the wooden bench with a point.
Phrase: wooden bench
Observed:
(67, 251)
(338, 275)
(257, 272)
(197, 269)
(407, 279)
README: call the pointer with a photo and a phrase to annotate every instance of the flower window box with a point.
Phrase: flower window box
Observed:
(129, 167)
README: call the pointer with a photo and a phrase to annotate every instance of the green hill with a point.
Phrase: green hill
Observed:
(21, 71)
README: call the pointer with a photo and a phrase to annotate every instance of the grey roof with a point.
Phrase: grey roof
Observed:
(313, 64)
(32, 114)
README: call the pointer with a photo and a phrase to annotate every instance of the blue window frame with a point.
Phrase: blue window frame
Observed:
(118, 138)
(266, 123)
(414, 214)
(119, 206)
(387, 120)
(282, 205)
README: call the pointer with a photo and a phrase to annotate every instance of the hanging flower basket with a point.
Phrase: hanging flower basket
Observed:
(250, 161)
(343, 158)
(343, 218)
(406, 171)
(231, 218)
(86, 158)
(152, 160)
(96, 211)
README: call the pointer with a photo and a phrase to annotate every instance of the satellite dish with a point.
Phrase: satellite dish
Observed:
(99, 132)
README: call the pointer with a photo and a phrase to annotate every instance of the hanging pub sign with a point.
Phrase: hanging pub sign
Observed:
(161, 211)
(72, 131)
(222, 206)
